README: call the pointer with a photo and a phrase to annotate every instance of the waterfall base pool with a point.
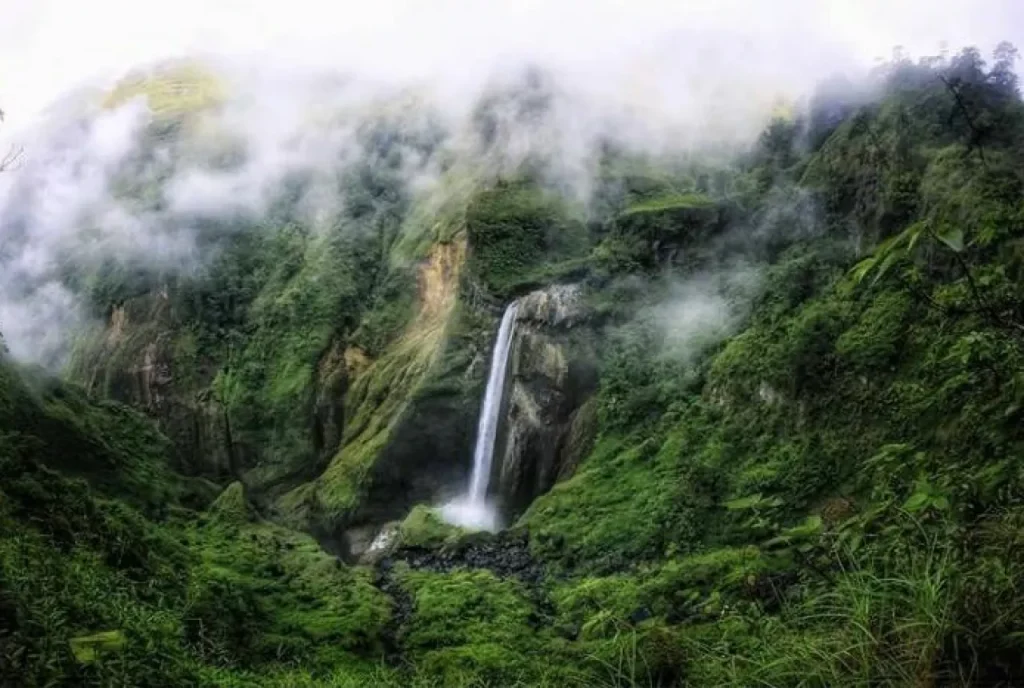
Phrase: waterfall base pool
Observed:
(471, 514)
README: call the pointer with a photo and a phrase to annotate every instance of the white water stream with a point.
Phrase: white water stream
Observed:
(472, 510)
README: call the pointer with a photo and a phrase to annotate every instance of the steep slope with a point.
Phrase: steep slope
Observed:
(831, 496)
(110, 577)
(387, 403)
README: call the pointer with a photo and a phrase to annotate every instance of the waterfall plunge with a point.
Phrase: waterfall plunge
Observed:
(471, 510)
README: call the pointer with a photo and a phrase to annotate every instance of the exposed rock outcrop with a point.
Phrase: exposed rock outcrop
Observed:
(134, 361)
(506, 554)
(552, 374)
(382, 432)
(408, 417)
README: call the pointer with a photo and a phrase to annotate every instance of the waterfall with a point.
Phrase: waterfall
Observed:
(471, 510)
(487, 426)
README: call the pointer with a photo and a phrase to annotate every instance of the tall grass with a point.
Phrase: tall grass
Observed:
(885, 622)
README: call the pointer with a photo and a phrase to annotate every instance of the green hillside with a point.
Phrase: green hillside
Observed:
(776, 437)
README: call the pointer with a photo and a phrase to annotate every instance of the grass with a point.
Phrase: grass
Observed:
(679, 201)
(884, 622)
(176, 88)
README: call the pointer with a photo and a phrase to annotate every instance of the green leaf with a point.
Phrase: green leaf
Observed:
(811, 526)
(953, 238)
(889, 261)
(861, 270)
(743, 502)
(777, 540)
(914, 233)
(88, 648)
(917, 501)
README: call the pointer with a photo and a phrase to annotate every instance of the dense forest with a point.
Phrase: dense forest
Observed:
(761, 425)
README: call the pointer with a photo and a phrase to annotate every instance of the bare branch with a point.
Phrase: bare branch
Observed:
(976, 133)
(11, 159)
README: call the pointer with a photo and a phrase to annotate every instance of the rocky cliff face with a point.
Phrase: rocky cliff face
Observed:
(362, 421)
(408, 420)
(133, 360)
(549, 425)
(383, 433)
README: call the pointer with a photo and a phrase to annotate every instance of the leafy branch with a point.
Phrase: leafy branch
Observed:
(902, 247)
(13, 155)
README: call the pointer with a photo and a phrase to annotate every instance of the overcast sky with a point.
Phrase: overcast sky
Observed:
(49, 46)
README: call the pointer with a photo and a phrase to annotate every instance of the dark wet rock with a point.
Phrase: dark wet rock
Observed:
(770, 590)
(506, 554)
(640, 614)
(552, 373)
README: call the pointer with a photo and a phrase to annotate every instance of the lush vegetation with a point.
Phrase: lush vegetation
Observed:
(817, 502)
(806, 470)
(522, 237)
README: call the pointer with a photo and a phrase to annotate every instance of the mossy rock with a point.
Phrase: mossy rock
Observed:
(424, 527)
(232, 505)
(687, 201)
(662, 224)
(473, 627)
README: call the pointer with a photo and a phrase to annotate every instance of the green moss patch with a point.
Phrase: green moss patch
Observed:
(424, 527)
(519, 235)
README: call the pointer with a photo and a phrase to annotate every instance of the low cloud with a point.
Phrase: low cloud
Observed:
(314, 95)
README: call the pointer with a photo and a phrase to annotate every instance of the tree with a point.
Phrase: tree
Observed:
(8, 162)
(13, 155)
(1002, 74)
(985, 103)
